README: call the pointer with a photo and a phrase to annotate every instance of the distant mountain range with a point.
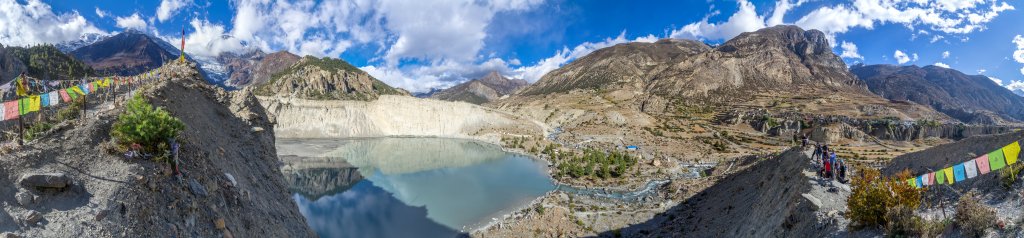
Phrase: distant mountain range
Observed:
(128, 53)
(970, 99)
(254, 68)
(482, 90)
(1019, 92)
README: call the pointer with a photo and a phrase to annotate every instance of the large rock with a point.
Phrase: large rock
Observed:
(24, 198)
(45, 180)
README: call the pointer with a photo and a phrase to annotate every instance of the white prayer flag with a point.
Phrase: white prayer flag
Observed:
(972, 168)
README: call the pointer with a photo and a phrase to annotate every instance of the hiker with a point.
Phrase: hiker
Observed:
(842, 171)
(804, 140)
(832, 158)
(817, 151)
(827, 173)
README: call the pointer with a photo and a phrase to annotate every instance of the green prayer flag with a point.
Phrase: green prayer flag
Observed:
(996, 160)
(940, 177)
(23, 105)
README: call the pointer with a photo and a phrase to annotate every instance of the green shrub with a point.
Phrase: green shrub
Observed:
(873, 196)
(35, 130)
(72, 111)
(1009, 174)
(972, 217)
(142, 124)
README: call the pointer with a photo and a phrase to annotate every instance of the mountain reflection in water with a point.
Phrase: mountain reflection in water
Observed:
(406, 187)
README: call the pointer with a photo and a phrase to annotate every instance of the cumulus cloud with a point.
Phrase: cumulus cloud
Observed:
(35, 22)
(1018, 55)
(168, 8)
(1015, 85)
(998, 81)
(940, 64)
(901, 57)
(945, 54)
(744, 20)
(850, 51)
(131, 22)
(951, 17)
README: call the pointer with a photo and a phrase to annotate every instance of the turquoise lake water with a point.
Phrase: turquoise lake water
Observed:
(407, 187)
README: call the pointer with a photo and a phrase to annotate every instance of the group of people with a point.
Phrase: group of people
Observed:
(832, 167)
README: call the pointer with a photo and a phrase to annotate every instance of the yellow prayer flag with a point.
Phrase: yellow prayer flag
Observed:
(1011, 152)
(34, 102)
(949, 174)
(21, 86)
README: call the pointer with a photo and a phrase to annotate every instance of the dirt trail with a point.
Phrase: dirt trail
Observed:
(231, 184)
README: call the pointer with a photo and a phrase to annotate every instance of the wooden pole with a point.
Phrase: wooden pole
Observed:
(21, 132)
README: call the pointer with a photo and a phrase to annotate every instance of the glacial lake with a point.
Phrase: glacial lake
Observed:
(406, 187)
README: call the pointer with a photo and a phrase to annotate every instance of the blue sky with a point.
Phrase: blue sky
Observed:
(423, 44)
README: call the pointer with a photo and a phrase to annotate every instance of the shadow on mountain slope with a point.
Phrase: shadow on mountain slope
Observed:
(763, 200)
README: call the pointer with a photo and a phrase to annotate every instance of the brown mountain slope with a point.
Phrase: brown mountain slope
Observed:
(325, 79)
(478, 91)
(970, 99)
(256, 67)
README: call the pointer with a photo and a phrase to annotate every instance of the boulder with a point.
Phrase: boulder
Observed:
(32, 217)
(24, 198)
(814, 201)
(45, 180)
(9, 235)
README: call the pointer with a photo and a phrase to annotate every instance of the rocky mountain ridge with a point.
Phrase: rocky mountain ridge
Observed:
(325, 79)
(482, 90)
(128, 53)
(970, 99)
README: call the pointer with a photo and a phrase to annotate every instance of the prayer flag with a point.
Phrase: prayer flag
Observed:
(995, 160)
(54, 98)
(71, 92)
(958, 172)
(76, 90)
(982, 162)
(3, 111)
(23, 105)
(85, 88)
(948, 171)
(34, 102)
(911, 183)
(931, 178)
(92, 87)
(10, 110)
(940, 177)
(44, 100)
(972, 168)
(64, 95)
(1011, 152)
(918, 182)
(21, 86)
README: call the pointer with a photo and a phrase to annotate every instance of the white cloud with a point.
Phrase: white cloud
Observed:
(945, 54)
(35, 22)
(168, 8)
(850, 51)
(131, 22)
(981, 71)
(948, 16)
(566, 55)
(1015, 85)
(914, 58)
(1018, 55)
(744, 20)
(100, 13)
(901, 57)
(936, 38)
(940, 64)
(998, 81)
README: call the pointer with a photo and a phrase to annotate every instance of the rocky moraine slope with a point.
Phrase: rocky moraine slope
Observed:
(68, 182)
